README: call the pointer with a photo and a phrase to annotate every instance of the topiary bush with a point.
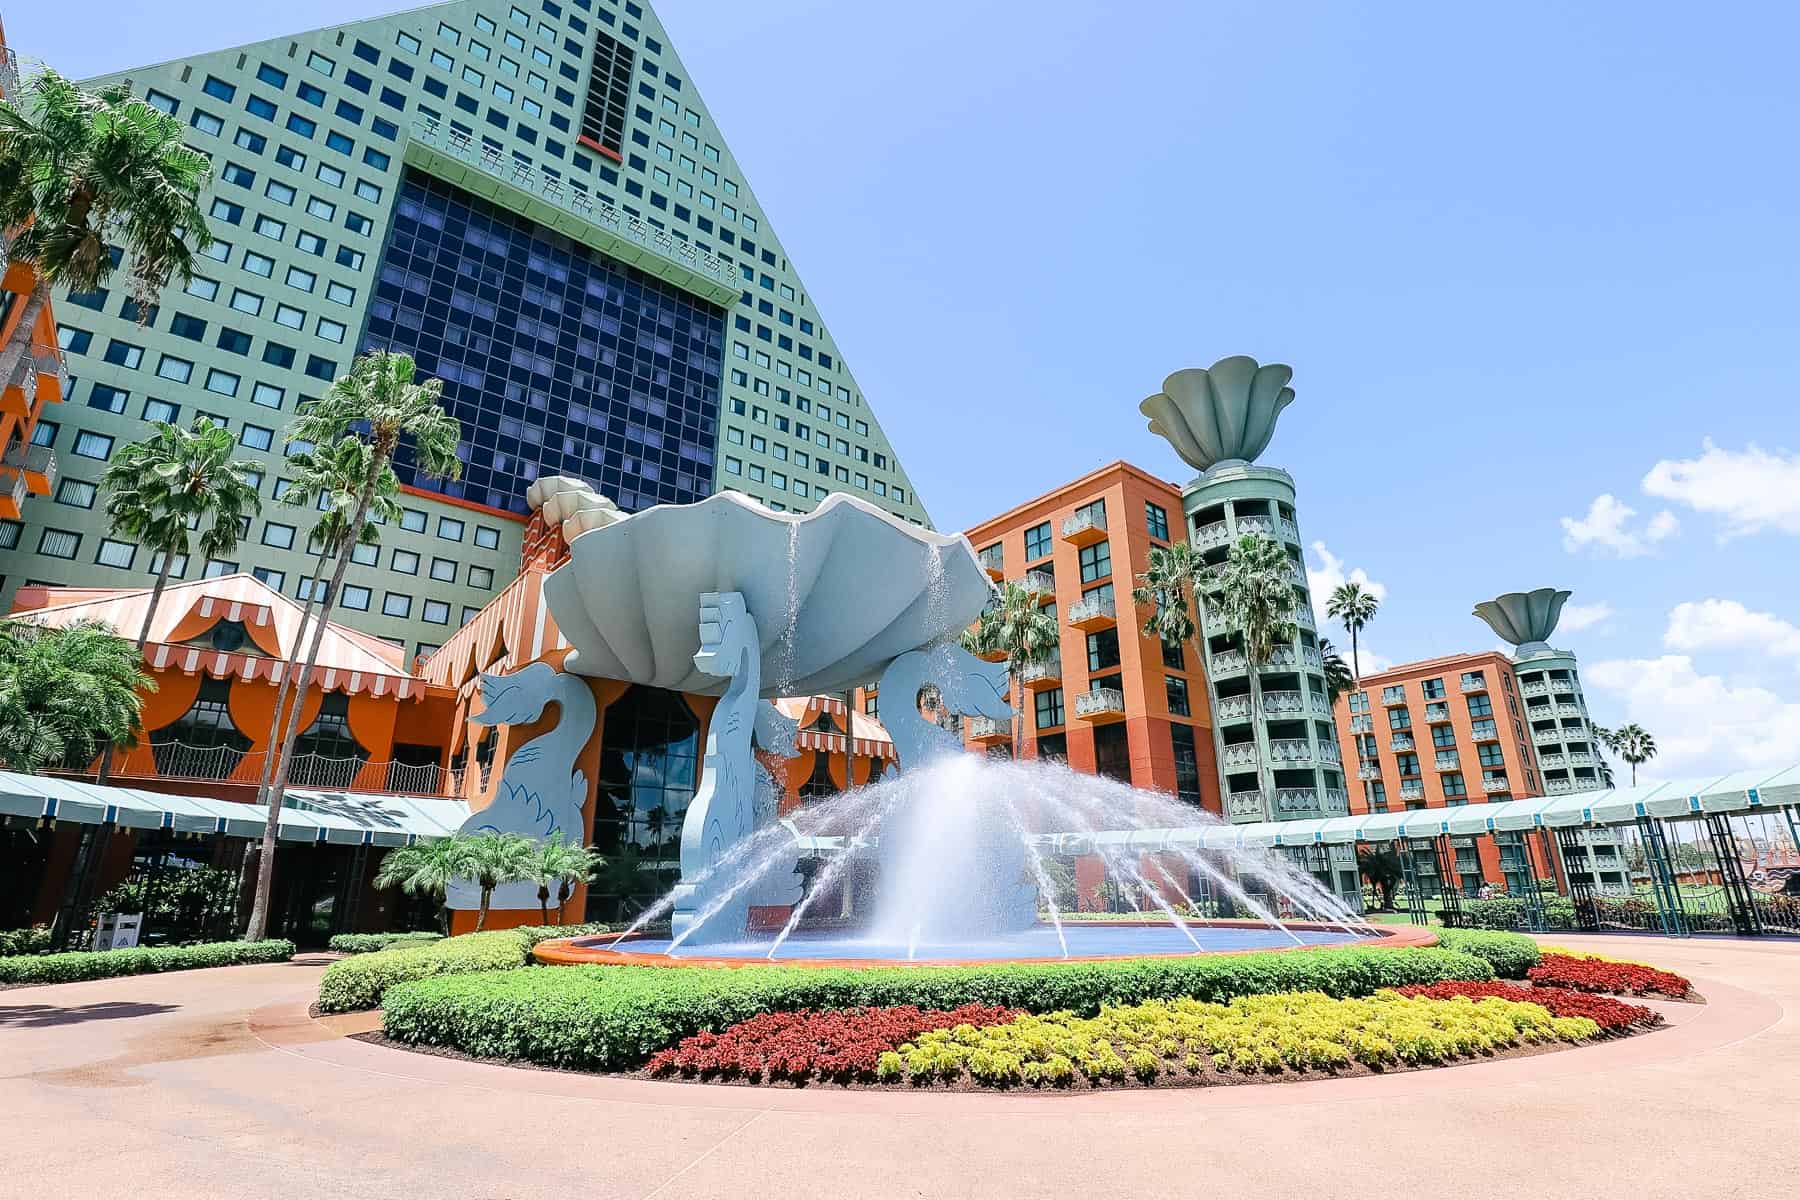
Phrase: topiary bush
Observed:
(1510, 954)
(368, 943)
(139, 960)
(609, 1018)
(358, 982)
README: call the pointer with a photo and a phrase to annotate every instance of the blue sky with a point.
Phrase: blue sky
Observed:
(1533, 267)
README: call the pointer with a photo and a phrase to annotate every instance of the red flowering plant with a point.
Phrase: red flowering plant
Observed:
(1605, 975)
(1613, 1016)
(839, 1045)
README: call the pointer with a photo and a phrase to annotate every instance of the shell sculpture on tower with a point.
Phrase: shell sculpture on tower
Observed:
(1224, 413)
(1526, 619)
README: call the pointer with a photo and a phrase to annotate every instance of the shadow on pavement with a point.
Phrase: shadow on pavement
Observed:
(44, 1016)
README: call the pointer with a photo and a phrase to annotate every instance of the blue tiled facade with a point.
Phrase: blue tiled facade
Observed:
(556, 360)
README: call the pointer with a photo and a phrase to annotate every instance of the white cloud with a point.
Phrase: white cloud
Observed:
(1367, 661)
(1324, 579)
(1726, 625)
(1583, 616)
(1703, 724)
(1606, 529)
(1752, 489)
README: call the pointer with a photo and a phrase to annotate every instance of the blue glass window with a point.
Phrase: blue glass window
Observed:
(555, 359)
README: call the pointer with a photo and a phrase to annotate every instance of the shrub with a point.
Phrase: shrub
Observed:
(35, 940)
(368, 943)
(1613, 1016)
(602, 1017)
(803, 1045)
(1500, 912)
(1605, 975)
(1251, 1034)
(356, 983)
(139, 960)
(1510, 954)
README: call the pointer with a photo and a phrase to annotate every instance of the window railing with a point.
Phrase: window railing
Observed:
(1090, 609)
(1081, 522)
(1099, 700)
(528, 178)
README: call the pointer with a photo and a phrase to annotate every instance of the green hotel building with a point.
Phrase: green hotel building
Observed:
(531, 199)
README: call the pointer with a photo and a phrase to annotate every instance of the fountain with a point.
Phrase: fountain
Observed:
(956, 856)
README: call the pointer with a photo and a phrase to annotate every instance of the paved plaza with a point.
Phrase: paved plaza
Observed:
(217, 1083)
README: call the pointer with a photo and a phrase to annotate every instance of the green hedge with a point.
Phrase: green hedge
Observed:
(368, 943)
(608, 1018)
(139, 960)
(1510, 954)
(358, 982)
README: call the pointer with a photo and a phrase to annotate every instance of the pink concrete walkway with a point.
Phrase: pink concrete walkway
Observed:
(215, 1083)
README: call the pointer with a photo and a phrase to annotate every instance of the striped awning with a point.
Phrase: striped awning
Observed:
(340, 818)
(192, 660)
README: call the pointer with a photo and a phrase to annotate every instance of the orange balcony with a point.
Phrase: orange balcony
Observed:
(1093, 613)
(1100, 706)
(1040, 675)
(987, 731)
(1084, 528)
(25, 471)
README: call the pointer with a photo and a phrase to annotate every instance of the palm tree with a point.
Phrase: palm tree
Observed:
(66, 694)
(1338, 676)
(1017, 625)
(564, 864)
(1634, 744)
(1355, 607)
(175, 481)
(377, 403)
(1381, 866)
(333, 475)
(1607, 740)
(1174, 572)
(82, 173)
(496, 859)
(1254, 591)
(426, 869)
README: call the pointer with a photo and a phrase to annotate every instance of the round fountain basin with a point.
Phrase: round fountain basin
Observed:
(1088, 941)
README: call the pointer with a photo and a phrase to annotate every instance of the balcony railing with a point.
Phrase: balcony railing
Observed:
(1100, 702)
(1261, 526)
(1046, 672)
(1401, 741)
(989, 729)
(1412, 791)
(1536, 688)
(1084, 525)
(1039, 583)
(1297, 802)
(1228, 662)
(1491, 786)
(1447, 760)
(1337, 802)
(1546, 736)
(1241, 805)
(1318, 705)
(1369, 771)
(1242, 754)
(1474, 685)
(1093, 610)
(1276, 703)
(1362, 723)
(1569, 710)
(1290, 750)
(527, 178)
(1232, 708)
(1208, 537)
(1582, 758)
(1328, 752)
(1552, 761)
(1292, 656)
(227, 764)
(1288, 529)
(1436, 712)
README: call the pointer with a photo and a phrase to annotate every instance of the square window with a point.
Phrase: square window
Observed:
(222, 382)
(396, 604)
(450, 529)
(486, 537)
(443, 570)
(412, 520)
(405, 561)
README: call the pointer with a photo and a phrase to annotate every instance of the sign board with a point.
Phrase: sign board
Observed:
(118, 931)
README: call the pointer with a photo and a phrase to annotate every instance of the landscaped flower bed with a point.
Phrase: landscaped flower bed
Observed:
(1194, 1042)
(613, 1018)
(798, 1046)
(1604, 975)
(1613, 1016)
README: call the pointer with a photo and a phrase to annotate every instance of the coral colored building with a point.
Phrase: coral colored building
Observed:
(1442, 732)
(34, 376)
(1113, 701)
(216, 651)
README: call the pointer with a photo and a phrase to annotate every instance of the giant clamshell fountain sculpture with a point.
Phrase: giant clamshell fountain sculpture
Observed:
(1526, 619)
(728, 597)
(1222, 414)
